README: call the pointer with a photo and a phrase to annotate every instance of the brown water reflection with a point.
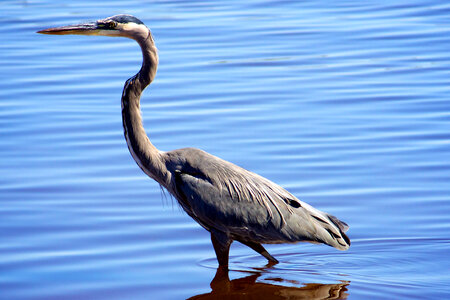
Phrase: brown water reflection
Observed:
(247, 288)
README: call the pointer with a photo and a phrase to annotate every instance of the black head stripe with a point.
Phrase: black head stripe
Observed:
(123, 19)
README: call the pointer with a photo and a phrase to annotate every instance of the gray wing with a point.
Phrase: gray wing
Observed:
(216, 209)
(228, 198)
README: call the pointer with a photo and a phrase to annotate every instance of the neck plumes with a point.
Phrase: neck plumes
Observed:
(144, 153)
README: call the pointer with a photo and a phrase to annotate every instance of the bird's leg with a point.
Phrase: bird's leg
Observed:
(221, 245)
(261, 250)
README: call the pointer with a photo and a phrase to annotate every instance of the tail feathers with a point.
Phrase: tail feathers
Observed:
(341, 224)
(331, 231)
(309, 224)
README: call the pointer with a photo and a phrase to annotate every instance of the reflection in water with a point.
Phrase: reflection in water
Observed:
(248, 288)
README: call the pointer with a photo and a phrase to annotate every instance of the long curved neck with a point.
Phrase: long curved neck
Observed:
(144, 153)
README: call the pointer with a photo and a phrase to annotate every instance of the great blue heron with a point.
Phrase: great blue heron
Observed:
(227, 200)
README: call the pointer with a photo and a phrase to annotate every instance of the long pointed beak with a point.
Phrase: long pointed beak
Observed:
(82, 29)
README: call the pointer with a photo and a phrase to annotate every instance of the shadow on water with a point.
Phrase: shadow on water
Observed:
(248, 288)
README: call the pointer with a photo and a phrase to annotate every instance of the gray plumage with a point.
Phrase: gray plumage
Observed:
(227, 200)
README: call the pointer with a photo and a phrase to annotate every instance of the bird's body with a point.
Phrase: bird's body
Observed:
(227, 200)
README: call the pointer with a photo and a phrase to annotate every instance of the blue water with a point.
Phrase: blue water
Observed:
(346, 105)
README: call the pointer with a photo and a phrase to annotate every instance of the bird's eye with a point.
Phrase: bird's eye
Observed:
(112, 24)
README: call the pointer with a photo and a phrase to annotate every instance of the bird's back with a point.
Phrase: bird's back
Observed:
(224, 197)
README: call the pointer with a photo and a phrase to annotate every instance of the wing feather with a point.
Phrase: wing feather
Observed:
(226, 197)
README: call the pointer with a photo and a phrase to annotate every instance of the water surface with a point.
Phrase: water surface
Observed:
(346, 105)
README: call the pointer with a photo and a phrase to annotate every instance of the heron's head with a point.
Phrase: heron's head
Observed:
(119, 25)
